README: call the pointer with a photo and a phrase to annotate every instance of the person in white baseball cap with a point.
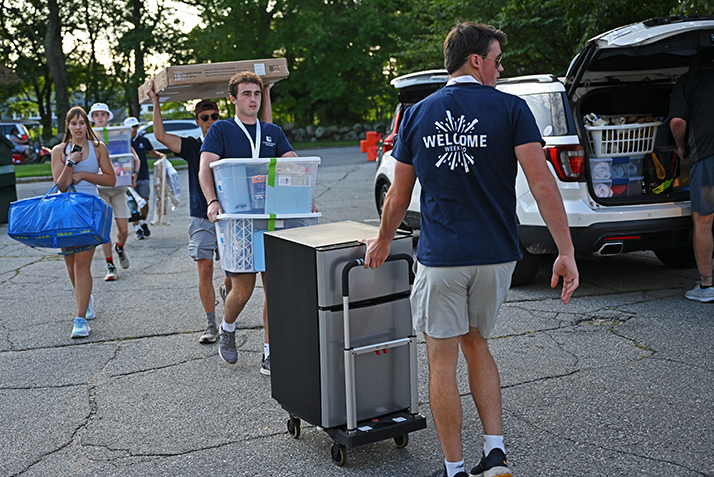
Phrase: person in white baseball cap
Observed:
(100, 119)
(132, 121)
(142, 146)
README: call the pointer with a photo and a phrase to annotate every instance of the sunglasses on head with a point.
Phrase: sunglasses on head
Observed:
(204, 117)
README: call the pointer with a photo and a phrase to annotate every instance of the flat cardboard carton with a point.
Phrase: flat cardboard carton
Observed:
(209, 80)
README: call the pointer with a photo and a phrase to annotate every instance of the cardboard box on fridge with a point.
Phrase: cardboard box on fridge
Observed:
(209, 80)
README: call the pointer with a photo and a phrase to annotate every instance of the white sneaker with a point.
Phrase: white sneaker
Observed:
(698, 294)
(111, 273)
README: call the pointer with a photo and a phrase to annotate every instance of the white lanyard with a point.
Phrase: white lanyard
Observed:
(254, 147)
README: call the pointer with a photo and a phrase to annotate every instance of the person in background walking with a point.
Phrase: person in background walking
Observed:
(85, 168)
(141, 146)
(202, 242)
(468, 246)
(690, 111)
(100, 114)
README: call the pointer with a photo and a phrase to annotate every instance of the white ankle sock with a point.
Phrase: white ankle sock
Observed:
(266, 349)
(229, 327)
(453, 468)
(492, 442)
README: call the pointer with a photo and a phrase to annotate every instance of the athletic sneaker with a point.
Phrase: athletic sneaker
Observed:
(111, 273)
(145, 227)
(698, 293)
(139, 234)
(210, 335)
(227, 346)
(123, 259)
(90, 309)
(223, 292)
(442, 473)
(265, 366)
(81, 328)
(494, 465)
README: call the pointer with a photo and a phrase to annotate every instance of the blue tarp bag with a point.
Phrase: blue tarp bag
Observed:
(69, 219)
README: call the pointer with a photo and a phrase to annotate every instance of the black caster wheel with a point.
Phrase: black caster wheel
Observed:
(294, 427)
(339, 454)
(402, 441)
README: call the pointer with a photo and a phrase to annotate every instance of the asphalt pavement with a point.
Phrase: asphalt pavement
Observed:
(617, 383)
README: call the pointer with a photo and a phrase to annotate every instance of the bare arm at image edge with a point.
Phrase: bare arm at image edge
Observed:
(550, 204)
(395, 208)
(171, 141)
(208, 186)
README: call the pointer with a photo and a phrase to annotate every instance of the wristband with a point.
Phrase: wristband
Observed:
(214, 200)
(70, 163)
(134, 173)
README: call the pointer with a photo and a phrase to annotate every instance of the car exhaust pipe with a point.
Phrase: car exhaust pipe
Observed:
(610, 249)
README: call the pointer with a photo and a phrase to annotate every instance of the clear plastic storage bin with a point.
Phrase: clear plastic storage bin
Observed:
(266, 186)
(621, 140)
(123, 167)
(240, 238)
(602, 188)
(600, 169)
(119, 139)
(627, 166)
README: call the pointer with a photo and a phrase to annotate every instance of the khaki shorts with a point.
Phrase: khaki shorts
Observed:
(202, 242)
(116, 197)
(447, 301)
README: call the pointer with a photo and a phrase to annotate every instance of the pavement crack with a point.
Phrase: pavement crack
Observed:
(564, 437)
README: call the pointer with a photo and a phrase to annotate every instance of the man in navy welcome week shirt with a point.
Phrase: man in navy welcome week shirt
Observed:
(242, 136)
(464, 143)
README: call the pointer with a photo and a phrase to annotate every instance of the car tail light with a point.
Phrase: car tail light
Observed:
(567, 161)
(389, 140)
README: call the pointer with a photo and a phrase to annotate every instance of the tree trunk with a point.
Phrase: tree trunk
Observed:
(57, 66)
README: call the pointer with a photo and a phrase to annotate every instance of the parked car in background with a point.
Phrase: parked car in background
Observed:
(39, 152)
(179, 127)
(607, 142)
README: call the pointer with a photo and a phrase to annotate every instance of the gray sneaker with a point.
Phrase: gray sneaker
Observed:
(123, 259)
(265, 366)
(210, 335)
(227, 347)
(698, 294)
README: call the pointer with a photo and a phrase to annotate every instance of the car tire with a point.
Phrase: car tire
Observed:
(677, 257)
(382, 190)
(526, 269)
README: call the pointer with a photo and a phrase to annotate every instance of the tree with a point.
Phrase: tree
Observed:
(140, 33)
(56, 62)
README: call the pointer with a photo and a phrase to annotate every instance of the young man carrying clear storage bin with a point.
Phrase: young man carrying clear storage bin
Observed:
(242, 136)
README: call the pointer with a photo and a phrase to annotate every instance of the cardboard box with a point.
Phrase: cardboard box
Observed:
(209, 80)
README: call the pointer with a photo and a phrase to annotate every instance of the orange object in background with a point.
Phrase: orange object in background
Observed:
(369, 145)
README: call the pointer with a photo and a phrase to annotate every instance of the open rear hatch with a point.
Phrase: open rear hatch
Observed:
(619, 87)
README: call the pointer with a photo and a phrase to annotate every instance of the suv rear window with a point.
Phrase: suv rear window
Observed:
(549, 112)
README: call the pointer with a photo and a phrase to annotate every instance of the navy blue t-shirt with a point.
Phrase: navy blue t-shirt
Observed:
(191, 153)
(141, 145)
(226, 139)
(461, 142)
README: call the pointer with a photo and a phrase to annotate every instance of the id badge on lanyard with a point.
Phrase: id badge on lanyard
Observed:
(254, 146)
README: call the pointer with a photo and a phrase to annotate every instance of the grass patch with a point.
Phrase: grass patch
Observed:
(45, 170)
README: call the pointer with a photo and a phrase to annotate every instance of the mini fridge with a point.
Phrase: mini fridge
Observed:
(357, 382)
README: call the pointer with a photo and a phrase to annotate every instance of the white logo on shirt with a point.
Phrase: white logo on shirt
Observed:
(454, 139)
(269, 141)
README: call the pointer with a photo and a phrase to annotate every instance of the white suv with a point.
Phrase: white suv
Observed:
(606, 173)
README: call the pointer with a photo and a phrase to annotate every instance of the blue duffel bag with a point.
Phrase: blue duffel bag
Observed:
(63, 219)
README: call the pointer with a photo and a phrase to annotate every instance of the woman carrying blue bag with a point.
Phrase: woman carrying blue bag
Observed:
(81, 160)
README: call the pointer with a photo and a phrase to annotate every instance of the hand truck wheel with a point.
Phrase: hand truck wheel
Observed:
(339, 454)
